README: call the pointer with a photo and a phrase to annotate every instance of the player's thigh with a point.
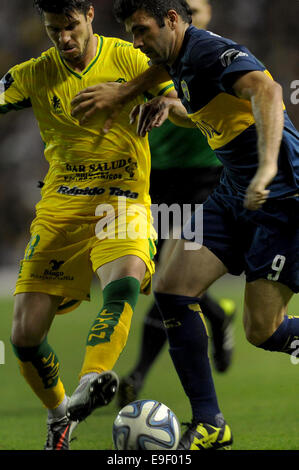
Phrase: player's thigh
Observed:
(32, 318)
(129, 265)
(265, 304)
(166, 250)
(189, 272)
(126, 249)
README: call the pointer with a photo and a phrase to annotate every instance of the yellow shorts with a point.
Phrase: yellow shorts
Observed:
(60, 258)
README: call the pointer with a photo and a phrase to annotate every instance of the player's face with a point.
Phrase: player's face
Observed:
(155, 41)
(201, 13)
(71, 35)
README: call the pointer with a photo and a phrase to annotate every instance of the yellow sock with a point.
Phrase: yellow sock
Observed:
(40, 367)
(103, 355)
(109, 333)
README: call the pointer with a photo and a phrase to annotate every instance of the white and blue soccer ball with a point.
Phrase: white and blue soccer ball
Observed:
(146, 425)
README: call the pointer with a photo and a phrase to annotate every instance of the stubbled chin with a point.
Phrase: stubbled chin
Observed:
(75, 57)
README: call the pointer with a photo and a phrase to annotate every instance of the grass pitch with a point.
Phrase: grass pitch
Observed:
(258, 395)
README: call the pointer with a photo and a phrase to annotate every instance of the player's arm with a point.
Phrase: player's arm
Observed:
(111, 97)
(12, 94)
(266, 99)
(156, 111)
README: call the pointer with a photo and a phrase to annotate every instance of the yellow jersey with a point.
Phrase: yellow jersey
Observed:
(86, 167)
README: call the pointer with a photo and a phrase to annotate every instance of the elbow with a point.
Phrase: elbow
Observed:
(277, 98)
(270, 92)
(269, 89)
(277, 91)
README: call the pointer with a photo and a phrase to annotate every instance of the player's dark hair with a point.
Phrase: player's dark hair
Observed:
(158, 9)
(64, 7)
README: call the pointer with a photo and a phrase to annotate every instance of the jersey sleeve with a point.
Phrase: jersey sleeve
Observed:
(224, 63)
(14, 94)
(139, 63)
(237, 61)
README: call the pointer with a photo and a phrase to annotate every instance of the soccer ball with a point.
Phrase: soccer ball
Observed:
(146, 425)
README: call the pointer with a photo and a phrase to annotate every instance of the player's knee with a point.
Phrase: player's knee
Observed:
(24, 334)
(174, 284)
(26, 330)
(162, 284)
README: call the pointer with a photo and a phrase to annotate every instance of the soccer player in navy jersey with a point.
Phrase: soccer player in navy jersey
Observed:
(250, 222)
(180, 155)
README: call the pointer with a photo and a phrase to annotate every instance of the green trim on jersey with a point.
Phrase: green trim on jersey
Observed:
(178, 147)
(152, 249)
(15, 106)
(81, 75)
(96, 58)
(161, 92)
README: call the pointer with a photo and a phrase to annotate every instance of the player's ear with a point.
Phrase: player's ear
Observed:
(172, 19)
(90, 14)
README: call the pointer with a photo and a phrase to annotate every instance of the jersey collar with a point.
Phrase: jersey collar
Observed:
(90, 65)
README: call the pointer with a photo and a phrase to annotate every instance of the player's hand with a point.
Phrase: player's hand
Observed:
(257, 194)
(151, 114)
(104, 97)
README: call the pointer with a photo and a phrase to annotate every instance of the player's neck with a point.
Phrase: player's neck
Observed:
(178, 43)
(89, 55)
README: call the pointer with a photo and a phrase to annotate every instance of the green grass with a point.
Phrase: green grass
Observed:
(258, 395)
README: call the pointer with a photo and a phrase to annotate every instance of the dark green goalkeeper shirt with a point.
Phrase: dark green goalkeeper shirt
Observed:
(179, 147)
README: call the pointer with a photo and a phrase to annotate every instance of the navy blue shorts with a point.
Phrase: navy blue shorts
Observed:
(263, 244)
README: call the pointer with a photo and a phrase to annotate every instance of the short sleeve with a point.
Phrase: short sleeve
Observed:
(13, 94)
(223, 63)
(236, 61)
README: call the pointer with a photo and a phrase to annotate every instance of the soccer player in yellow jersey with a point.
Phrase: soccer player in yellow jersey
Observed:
(80, 226)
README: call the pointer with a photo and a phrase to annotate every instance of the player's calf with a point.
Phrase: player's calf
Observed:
(32, 318)
(188, 346)
(282, 340)
(258, 332)
(105, 341)
(265, 322)
(40, 367)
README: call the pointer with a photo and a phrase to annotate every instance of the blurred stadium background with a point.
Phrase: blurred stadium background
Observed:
(270, 30)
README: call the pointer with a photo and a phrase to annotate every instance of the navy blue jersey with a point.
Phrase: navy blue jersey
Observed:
(204, 74)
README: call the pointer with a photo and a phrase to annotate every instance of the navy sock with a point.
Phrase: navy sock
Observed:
(153, 340)
(188, 347)
(283, 337)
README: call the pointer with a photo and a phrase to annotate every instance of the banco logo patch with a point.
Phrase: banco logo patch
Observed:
(55, 265)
